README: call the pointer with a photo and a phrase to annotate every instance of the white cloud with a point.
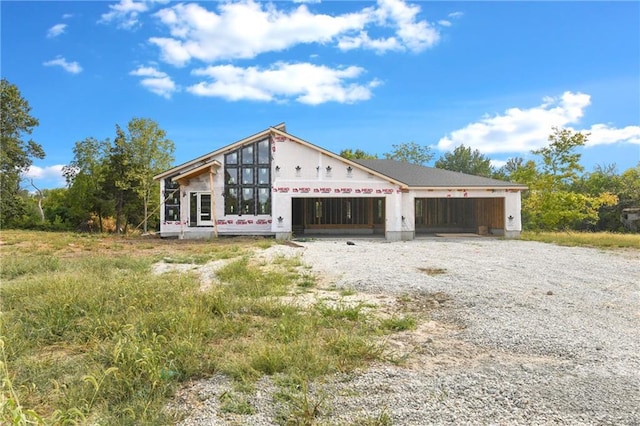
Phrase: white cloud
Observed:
(67, 16)
(496, 164)
(455, 15)
(412, 34)
(248, 28)
(56, 30)
(306, 83)
(125, 13)
(155, 81)
(602, 134)
(523, 130)
(72, 67)
(444, 23)
(46, 177)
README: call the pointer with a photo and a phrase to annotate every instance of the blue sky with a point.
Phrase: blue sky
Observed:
(495, 76)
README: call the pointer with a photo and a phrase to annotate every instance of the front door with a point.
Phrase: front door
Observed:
(204, 209)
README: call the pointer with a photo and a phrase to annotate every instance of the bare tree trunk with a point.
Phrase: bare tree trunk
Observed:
(146, 210)
(40, 198)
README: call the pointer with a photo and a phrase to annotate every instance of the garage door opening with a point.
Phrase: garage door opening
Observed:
(343, 215)
(459, 215)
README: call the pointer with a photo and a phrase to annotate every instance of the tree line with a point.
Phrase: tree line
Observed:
(560, 195)
(110, 184)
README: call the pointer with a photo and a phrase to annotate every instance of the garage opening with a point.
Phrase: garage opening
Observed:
(342, 215)
(460, 215)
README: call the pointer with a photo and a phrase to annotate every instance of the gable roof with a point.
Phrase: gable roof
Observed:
(201, 163)
(203, 159)
(416, 176)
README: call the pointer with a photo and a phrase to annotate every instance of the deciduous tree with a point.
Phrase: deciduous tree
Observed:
(16, 154)
(410, 152)
(358, 154)
(151, 153)
(464, 160)
(86, 176)
(552, 202)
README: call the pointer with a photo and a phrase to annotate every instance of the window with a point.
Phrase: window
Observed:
(171, 200)
(248, 180)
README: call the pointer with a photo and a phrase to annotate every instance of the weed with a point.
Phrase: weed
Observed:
(307, 281)
(233, 403)
(195, 259)
(11, 411)
(14, 266)
(347, 292)
(433, 271)
(302, 407)
(352, 312)
(382, 419)
(396, 323)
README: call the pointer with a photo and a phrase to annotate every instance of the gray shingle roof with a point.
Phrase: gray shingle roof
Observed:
(420, 176)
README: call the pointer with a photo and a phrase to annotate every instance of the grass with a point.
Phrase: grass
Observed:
(433, 271)
(91, 336)
(585, 239)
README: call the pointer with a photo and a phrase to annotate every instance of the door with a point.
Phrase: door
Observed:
(200, 209)
(204, 209)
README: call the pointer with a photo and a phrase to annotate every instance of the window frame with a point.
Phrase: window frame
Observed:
(251, 163)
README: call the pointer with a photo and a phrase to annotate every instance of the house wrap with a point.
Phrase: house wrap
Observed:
(275, 184)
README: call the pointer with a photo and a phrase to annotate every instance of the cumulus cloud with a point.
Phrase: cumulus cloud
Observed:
(304, 82)
(125, 13)
(56, 30)
(47, 177)
(155, 81)
(603, 134)
(245, 29)
(409, 33)
(522, 130)
(72, 67)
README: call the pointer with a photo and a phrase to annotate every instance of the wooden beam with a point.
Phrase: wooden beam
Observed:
(213, 202)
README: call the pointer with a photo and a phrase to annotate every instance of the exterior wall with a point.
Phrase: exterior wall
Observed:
(312, 179)
(300, 171)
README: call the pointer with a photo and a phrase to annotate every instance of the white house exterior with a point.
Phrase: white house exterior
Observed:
(273, 183)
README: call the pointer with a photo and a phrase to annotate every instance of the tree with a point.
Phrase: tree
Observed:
(560, 162)
(86, 176)
(630, 187)
(119, 177)
(604, 179)
(553, 203)
(151, 153)
(410, 152)
(16, 155)
(464, 160)
(358, 154)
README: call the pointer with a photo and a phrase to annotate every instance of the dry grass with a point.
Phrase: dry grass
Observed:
(586, 239)
(433, 271)
(91, 336)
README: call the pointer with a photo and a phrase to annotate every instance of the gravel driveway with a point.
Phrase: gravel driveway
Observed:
(517, 333)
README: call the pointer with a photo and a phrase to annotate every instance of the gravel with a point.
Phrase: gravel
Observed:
(513, 332)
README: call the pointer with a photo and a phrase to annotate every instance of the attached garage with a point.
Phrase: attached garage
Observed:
(477, 215)
(344, 215)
